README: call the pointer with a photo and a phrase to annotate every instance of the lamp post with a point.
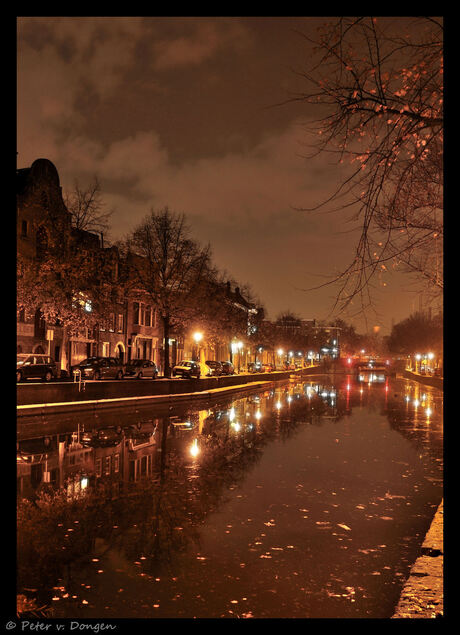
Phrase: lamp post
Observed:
(280, 354)
(239, 346)
(197, 337)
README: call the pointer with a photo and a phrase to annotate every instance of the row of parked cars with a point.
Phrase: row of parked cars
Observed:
(190, 368)
(45, 368)
(42, 367)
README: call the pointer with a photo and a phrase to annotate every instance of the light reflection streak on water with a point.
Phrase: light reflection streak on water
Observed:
(224, 438)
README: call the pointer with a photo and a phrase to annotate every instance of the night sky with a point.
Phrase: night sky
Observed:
(183, 112)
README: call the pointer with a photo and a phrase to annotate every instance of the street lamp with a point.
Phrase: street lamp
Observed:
(239, 346)
(280, 354)
(197, 336)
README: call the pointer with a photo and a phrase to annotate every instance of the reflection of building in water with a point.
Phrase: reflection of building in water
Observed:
(102, 459)
(138, 459)
(37, 462)
(77, 462)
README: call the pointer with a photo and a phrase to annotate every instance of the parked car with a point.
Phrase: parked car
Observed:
(254, 367)
(187, 368)
(214, 368)
(267, 368)
(437, 372)
(100, 368)
(35, 366)
(227, 368)
(103, 437)
(140, 368)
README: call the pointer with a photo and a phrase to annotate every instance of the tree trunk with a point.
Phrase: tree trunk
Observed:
(167, 368)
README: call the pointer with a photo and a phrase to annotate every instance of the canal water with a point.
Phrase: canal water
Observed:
(308, 500)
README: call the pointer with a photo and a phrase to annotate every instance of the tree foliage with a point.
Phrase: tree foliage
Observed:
(379, 86)
(164, 262)
(72, 287)
(419, 332)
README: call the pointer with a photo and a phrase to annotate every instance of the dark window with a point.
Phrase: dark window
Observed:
(24, 229)
(39, 326)
(41, 242)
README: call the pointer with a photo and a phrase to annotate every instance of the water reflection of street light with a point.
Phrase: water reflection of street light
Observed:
(194, 449)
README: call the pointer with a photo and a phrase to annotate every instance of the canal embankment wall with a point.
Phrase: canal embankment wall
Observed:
(427, 380)
(423, 593)
(42, 399)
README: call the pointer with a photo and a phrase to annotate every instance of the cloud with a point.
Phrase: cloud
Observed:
(95, 52)
(202, 43)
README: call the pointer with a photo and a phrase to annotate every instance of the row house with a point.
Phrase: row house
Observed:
(42, 218)
(129, 330)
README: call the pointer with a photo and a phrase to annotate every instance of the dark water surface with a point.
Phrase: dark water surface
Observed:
(310, 500)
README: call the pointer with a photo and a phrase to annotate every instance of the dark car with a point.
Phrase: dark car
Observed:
(187, 368)
(254, 367)
(100, 368)
(214, 368)
(35, 366)
(140, 368)
(104, 437)
(227, 368)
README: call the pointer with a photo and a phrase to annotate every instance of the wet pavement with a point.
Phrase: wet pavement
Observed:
(310, 500)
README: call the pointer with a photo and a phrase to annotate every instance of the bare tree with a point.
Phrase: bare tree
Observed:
(87, 208)
(170, 267)
(379, 84)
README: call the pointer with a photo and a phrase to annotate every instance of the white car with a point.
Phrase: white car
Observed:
(187, 368)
